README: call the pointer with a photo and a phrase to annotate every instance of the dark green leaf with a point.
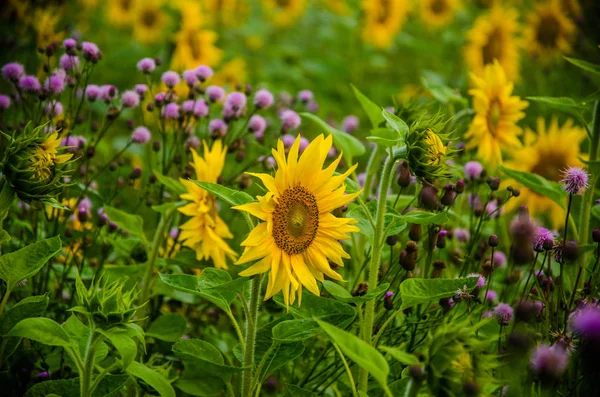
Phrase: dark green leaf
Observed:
(587, 66)
(124, 344)
(332, 311)
(295, 330)
(295, 391)
(110, 385)
(538, 184)
(153, 378)
(231, 196)
(348, 144)
(203, 386)
(32, 306)
(564, 104)
(132, 224)
(279, 356)
(201, 356)
(63, 388)
(168, 327)
(435, 84)
(414, 291)
(340, 293)
(423, 217)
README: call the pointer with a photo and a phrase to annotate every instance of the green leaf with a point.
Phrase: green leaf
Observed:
(172, 185)
(201, 356)
(565, 104)
(168, 327)
(414, 291)
(392, 224)
(538, 184)
(362, 353)
(295, 391)
(587, 66)
(153, 378)
(435, 84)
(334, 312)
(124, 344)
(397, 124)
(32, 306)
(4, 236)
(213, 284)
(423, 217)
(340, 293)
(132, 224)
(403, 357)
(43, 330)
(110, 385)
(19, 265)
(295, 330)
(204, 386)
(62, 388)
(372, 109)
(231, 196)
(168, 207)
(279, 356)
(385, 137)
(348, 144)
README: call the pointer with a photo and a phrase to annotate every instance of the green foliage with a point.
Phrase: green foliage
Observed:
(43, 330)
(230, 196)
(133, 224)
(414, 291)
(153, 378)
(168, 327)
(350, 146)
(538, 184)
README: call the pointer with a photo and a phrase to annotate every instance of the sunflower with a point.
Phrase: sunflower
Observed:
(45, 157)
(299, 235)
(229, 13)
(195, 47)
(231, 74)
(436, 13)
(339, 7)
(205, 231)
(120, 12)
(497, 111)
(571, 7)
(149, 21)
(383, 20)
(493, 37)
(549, 32)
(547, 152)
(284, 13)
(192, 15)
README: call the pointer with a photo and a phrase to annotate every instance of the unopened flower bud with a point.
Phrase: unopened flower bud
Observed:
(493, 240)
(415, 232)
(493, 183)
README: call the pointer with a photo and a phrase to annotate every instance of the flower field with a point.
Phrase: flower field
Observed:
(300, 198)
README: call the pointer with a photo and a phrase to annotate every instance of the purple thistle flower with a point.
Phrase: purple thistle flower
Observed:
(303, 144)
(350, 124)
(190, 77)
(491, 296)
(487, 314)
(170, 78)
(91, 52)
(4, 102)
(549, 361)
(270, 162)
(141, 89)
(69, 62)
(70, 44)
(586, 322)
(503, 314)
(257, 124)
(575, 180)
(492, 209)
(108, 92)
(480, 279)
(53, 108)
(522, 227)
(312, 107)
(30, 84)
(13, 71)
(217, 127)
(192, 142)
(171, 111)
(388, 295)
(146, 65)
(203, 73)
(542, 237)
(332, 153)
(86, 203)
(215, 93)
(200, 108)
(141, 135)
(462, 235)
(73, 143)
(263, 99)
(473, 170)
(290, 120)
(160, 98)
(130, 99)
(187, 106)
(499, 259)
(236, 101)
(305, 96)
(92, 92)
(174, 233)
(288, 140)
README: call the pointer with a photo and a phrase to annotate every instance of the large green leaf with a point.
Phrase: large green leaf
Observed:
(31, 306)
(19, 265)
(203, 386)
(296, 391)
(279, 356)
(168, 327)
(172, 185)
(565, 104)
(587, 66)
(423, 217)
(340, 293)
(231, 196)
(43, 330)
(348, 144)
(397, 124)
(132, 224)
(435, 84)
(372, 109)
(400, 355)
(295, 330)
(202, 357)
(62, 388)
(359, 351)
(393, 223)
(538, 184)
(153, 378)
(124, 344)
(332, 311)
(414, 291)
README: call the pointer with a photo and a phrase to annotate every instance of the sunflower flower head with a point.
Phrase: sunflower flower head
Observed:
(299, 236)
(549, 32)
(34, 165)
(497, 112)
(427, 153)
(205, 231)
(383, 21)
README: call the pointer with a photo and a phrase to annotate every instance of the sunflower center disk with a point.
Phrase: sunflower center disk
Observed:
(295, 220)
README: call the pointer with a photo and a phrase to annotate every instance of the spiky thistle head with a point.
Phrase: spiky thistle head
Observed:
(34, 165)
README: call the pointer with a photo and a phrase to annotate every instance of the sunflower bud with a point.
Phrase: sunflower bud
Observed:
(34, 167)
(427, 153)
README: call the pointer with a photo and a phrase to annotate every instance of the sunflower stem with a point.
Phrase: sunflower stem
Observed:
(249, 343)
(377, 243)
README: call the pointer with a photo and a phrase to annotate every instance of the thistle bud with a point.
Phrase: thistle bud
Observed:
(404, 176)
(362, 289)
(441, 239)
(493, 183)
(493, 241)
(391, 240)
(596, 235)
(388, 300)
(415, 232)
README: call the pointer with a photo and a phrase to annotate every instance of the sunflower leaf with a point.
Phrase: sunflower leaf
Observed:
(372, 109)
(587, 66)
(231, 196)
(173, 185)
(414, 291)
(567, 105)
(538, 184)
(350, 146)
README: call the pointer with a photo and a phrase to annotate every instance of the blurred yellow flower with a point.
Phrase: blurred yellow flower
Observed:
(205, 231)
(284, 13)
(120, 12)
(436, 13)
(549, 32)
(493, 37)
(231, 74)
(46, 156)
(45, 21)
(547, 152)
(497, 111)
(571, 7)
(228, 13)
(194, 47)
(436, 150)
(192, 16)
(383, 20)
(149, 21)
(339, 7)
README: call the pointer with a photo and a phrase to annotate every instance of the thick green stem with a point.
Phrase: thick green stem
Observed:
(249, 343)
(377, 243)
(85, 378)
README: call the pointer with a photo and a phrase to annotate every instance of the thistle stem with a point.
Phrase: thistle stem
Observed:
(249, 343)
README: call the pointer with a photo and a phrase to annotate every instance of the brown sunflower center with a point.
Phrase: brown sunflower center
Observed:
(194, 45)
(125, 4)
(493, 48)
(384, 11)
(438, 6)
(493, 116)
(550, 165)
(149, 18)
(283, 3)
(548, 31)
(295, 220)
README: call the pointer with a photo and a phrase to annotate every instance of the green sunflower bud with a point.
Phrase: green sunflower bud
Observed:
(108, 304)
(34, 166)
(427, 153)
